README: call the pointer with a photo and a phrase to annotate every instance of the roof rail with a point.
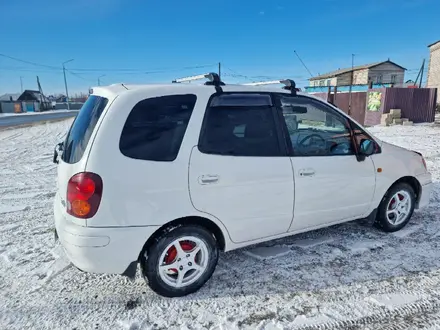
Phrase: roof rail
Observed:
(213, 80)
(289, 84)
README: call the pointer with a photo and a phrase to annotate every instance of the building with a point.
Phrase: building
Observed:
(30, 95)
(385, 72)
(434, 65)
(9, 97)
(35, 99)
(28, 101)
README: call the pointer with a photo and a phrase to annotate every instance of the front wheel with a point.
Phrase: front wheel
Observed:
(181, 261)
(396, 208)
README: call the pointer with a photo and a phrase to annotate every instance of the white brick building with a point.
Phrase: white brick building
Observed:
(434, 66)
(385, 72)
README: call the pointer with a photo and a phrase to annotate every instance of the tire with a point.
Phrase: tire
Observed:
(197, 266)
(384, 221)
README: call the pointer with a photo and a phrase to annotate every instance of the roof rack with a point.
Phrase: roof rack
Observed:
(289, 84)
(213, 80)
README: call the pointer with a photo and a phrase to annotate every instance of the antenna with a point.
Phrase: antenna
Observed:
(304, 65)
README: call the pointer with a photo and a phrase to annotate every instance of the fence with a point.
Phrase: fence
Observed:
(73, 106)
(417, 104)
(342, 100)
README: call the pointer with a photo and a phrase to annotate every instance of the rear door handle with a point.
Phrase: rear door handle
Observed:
(208, 179)
(307, 172)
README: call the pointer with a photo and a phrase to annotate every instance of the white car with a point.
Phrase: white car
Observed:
(166, 176)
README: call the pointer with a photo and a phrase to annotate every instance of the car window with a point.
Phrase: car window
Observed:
(155, 127)
(82, 128)
(247, 129)
(314, 128)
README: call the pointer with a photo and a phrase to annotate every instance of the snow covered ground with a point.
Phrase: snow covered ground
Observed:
(27, 118)
(33, 113)
(349, 276)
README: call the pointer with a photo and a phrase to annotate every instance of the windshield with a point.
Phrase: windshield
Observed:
(82, 128)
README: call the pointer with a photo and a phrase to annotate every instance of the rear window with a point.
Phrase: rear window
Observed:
(82, 128)
(155, 127)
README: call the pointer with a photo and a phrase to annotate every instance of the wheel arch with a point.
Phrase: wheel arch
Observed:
(413, 182)
(219, 235)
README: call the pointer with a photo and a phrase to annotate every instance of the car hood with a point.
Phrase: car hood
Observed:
(388, 147)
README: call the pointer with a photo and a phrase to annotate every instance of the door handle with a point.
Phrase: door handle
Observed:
(207, 179)
(307, 172)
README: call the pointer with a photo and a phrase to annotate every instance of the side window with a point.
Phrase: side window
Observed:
(155, 127)
(240, 126)
(314, 128)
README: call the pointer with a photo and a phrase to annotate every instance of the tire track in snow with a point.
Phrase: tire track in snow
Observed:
(330, 283)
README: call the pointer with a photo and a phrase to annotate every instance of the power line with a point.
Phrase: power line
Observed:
(235, 74)
(140, 71)
(29, 62)
(134, 71)
(30, 70)
(78, 76)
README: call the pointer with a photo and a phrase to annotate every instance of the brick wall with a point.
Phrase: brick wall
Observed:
(434, 67)
(360, 77)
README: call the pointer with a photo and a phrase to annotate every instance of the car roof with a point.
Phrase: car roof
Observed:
(120, 88)
(117, 89)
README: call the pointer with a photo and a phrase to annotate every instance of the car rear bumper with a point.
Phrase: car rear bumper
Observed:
(100, 250)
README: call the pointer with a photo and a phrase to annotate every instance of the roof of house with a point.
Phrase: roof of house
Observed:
(434, 43)
(7, 96)
(35, 94)
(356, 68)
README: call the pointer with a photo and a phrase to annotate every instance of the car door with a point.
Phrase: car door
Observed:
(331, 183)
(240, 171)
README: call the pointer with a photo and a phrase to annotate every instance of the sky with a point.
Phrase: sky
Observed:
(144, 41)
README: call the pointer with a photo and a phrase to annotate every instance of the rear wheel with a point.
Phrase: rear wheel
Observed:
(396, 208)
(181, 261)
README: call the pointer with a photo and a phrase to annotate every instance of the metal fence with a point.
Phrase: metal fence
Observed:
(358, 103)
(73, 106)
(417, 104)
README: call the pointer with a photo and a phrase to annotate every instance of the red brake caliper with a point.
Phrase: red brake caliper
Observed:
(401, 197)
(171, 255)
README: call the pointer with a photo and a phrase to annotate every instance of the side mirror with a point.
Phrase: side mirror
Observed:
(366, 147)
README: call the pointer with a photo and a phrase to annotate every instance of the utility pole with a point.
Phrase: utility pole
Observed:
(21, 83)
(351, 84)
(421, 73)
(220, 70)
(99, 79)
(65, 83)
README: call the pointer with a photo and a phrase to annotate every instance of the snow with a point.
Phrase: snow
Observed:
(10, 208)
(392, 300)
(309, 243)
(349, 276)
(262, 252)
(31, 113)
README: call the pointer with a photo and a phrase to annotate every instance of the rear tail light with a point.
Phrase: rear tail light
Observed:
(84, 192)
